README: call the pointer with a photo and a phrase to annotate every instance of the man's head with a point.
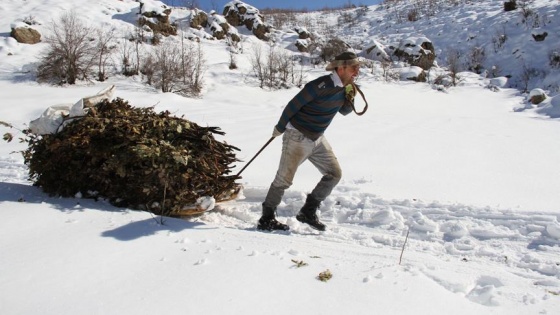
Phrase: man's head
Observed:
(346, 58)
(346, 65)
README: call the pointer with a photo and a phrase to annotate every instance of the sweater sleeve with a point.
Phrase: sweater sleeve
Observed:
(346, 108)
(306, 95)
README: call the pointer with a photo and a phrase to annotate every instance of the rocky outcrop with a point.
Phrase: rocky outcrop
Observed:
(156, 18)
(26, 35)
(303, 33)
(238, 13)
(417, 51)
(221, 29)
(376, 51)
(199, 19)
(302, 45)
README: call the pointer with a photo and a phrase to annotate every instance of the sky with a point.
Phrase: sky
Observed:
(288, 4)
(448, 202)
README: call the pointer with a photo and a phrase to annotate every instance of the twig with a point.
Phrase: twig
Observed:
(163, 204)
(402, 251)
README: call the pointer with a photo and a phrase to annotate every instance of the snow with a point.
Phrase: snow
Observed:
(470, 179)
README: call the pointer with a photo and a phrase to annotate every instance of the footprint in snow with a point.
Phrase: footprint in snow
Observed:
(203, 261)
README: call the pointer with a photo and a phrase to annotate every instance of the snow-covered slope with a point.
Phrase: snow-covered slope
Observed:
(470, 180)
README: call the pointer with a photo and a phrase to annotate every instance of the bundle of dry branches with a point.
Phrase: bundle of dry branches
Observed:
(133, 157)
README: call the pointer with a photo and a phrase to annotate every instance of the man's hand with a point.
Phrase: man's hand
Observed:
(350, 92)
(275, 132)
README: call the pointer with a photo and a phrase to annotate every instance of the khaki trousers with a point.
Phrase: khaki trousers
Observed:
(296, 148)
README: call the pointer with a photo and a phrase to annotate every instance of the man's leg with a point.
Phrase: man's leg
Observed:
(295, 149)
(326, 162)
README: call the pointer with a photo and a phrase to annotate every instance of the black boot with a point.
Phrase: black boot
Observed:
(268, 221)
(308, 213)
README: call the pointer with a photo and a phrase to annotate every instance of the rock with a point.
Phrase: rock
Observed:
(539, 35)
(417, 51)
(510, 5)
(157, 19)
(303, 33)
(413, 73)
(537, 96)
(26, 35)
(199, 19)
(238, 13)
(376, 51)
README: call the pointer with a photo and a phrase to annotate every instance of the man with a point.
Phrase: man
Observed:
(303, 122)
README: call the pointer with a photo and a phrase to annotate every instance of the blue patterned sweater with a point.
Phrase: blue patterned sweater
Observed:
(314, 107)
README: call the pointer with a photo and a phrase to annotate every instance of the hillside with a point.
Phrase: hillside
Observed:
(478, 36)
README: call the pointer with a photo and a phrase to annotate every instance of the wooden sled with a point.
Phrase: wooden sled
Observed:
(201, 207)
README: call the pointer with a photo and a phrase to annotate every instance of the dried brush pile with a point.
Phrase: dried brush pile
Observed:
(133, 157)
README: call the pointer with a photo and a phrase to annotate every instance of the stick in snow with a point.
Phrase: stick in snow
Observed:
(402, 251)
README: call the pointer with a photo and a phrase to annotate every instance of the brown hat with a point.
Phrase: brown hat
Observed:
(347, 58)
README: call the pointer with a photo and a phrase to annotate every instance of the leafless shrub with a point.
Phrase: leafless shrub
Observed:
(105, 47)
(529, 16)
(389, 74)
(499, 39)
(70, 55)
(276, 69)
(176, 68)
(30, 20)
(527, 75)
(453, 58)
(258, 64)
(476, 57)
(413, 15)
(148, 68)
(130, 61)
(554, 58)
(525, 6)
(346, 18)
(167, 66)
(233, 51)
(280, 19)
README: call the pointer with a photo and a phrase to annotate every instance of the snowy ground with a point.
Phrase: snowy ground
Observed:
(472, 181)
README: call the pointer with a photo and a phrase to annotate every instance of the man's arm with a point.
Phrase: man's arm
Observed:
(306, 95)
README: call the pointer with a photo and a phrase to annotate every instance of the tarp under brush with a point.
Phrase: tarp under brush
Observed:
(133, 157)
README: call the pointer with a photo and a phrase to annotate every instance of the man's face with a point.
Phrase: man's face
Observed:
(348, 74)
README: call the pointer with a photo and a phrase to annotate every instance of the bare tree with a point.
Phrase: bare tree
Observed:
(129, 60)
(257, 64)
(176, 68)
(233, 49)
(453, 64)
(104, 49)
(167, 59)
(276, 69)
(197, 75)
(70, 55)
